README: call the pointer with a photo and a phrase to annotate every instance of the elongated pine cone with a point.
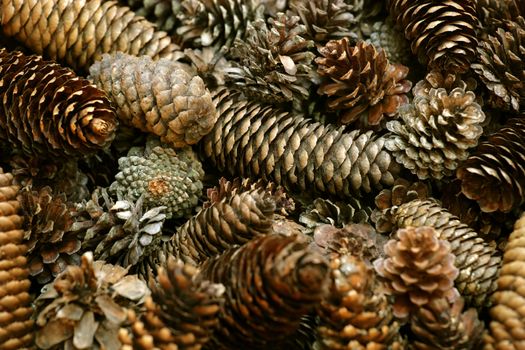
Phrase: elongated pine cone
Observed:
(360, 82)
(49, 111)
(16, 325)
(85, 306)
(181, 313)
(442, 33)
(92, 28)
(258, 141)
(507, 315)
(159, 97)
(436, 130)
(493, 175)
(271, 282)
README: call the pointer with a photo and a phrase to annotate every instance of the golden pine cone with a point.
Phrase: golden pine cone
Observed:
(49, 111)
(360, 82)
(93, 27)
(160, 97)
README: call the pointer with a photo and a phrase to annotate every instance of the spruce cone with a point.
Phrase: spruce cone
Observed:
(92, 28)
(271, 282)
(442, 34)
(85, 306)
(51, 246)
(338, 214)
(436, 130)
(385, 35)
(159, 97)
(507, 324)
(493, 175)
(164, 177)
(16, 326)
(49, 111)
(262, 142)
(360, 82)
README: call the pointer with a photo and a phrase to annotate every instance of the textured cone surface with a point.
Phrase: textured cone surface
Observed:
(494, 175)
(271, 282)
(442, 33)
(160, 97)
(16, 326)
(160, 12)
(48, 111)
(360, 82)
(94, 27)
(339, 214)
(261, 142)
(506, 330)
(385, 35)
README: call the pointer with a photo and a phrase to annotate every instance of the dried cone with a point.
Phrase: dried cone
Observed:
(385, 35)
(49, 111)
(493, 13)
(442, 33)
(339, 214)
(93, 27)
(360, 82)
(159, 97)
(262, 142)
(271, 282)
(507, 320)
(162, 13)
(493, 175)
(16, 325)
(51, 244)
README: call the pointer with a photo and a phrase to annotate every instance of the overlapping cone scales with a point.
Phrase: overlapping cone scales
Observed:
(160, 12)
(16, 325)
(160, 97)
(93, 27)
(384, 34)
(48, 111)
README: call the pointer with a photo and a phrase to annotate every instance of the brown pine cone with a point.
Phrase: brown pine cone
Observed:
(49, 111)
(16, 325)
(93, 27)
(271, 282)
(159, 97)
(360, 82)
(385, 35)
(262, 142)
(442, 34)
(339, 214)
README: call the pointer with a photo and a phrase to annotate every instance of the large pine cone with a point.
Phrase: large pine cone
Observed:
(93, 27)
(360, 82)
(160, 97)
(48, 111)
(271, 282)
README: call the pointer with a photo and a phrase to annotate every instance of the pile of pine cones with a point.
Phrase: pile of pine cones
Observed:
(262, 174)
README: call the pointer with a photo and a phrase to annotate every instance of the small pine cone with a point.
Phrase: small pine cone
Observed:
(385, 35)
(92, 28)
(162, 13)
(360, 82)
(51, 245)
(16, 325)
(164, 177)
(355, 315)
(296, 153)
(50, 112)
(442, 34)
(85, 306)
(507, 321)
(159, 97)
(290, 280)
(274, 62)
(436, 130)
(493, 175)
(338, 214)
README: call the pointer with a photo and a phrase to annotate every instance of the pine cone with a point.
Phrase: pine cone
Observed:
(436, 130)
(271, 282)
(385, 35)
(93, 27)
(360, 82)
(51, 246)
(296, 153)
(16, 325)
(159, 97)
(49, 111)
(209, 64)
(162, 13)
(507, 322)
(493, 175)
(164, 177)
(442, 34)
(85, 306)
